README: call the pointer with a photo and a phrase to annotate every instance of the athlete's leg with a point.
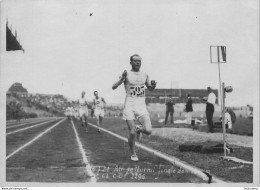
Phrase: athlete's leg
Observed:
(132, 135)
(100, 120)
(81, 116)
(86, 120)
(97, 114)
(146, 123)
(82, 120)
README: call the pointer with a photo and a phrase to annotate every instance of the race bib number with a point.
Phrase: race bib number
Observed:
(137, 91)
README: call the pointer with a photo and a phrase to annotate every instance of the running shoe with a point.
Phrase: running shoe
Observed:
(134, 158)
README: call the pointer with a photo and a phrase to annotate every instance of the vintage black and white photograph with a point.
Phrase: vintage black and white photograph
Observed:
(132, 92)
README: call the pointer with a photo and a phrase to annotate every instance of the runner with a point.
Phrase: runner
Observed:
(76, 112)
(99, 107)
(69, 112)
(83, 109)
(134, 107)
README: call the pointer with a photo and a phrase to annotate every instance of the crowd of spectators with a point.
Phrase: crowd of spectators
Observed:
(15, 104)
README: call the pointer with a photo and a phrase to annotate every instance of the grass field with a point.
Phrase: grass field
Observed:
(242, 126)
(226, 170)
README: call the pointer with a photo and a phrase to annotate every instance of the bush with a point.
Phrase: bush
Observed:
(14, 110)
(31, 115)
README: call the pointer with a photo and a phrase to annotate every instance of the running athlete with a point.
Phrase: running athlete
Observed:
(69, 112)
(83, 109)
(76, 112)
(99, 107)
(134, 106)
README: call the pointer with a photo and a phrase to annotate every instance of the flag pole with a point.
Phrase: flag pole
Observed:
(220, 91)
(222, 106)
(223, 120)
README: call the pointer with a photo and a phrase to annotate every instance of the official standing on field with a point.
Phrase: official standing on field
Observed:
(211, 99)
(169, 110)
(189, 109)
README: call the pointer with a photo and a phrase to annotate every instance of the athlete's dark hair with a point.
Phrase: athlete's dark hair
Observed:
(95, 91)
(131, 58)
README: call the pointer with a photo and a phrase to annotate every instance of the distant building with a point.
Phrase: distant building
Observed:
(17, 88)
(178, 95)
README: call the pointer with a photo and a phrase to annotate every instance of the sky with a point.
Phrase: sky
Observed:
(67, 50)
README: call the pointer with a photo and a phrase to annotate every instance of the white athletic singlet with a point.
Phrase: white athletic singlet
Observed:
(70, 111)
(135, 84)
(99, 103)
(134, 106)
(82, 102)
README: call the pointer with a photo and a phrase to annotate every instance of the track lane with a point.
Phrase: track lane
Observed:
(26, 123)
(55, 157)
(110, 160)
(15, 140)
(12, 131)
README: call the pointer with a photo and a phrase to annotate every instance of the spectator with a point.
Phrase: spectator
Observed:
(210, 102)
(232, 115)
(169, 110)
(189, 109)
(230, 118)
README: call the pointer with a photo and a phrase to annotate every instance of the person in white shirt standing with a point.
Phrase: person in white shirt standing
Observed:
(83, 109)
(99, 109)
(211, 99)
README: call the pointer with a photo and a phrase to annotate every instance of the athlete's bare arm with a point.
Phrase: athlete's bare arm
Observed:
(87, 104)
(121, 80)
(93, 105)
(104, 102)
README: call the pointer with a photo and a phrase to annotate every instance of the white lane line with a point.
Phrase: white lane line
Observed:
(24, 120)
(27, 121)
(83, 153)
(11, 121)
(194, 170)
(34, 139)
(39, 124)
(21, 124)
